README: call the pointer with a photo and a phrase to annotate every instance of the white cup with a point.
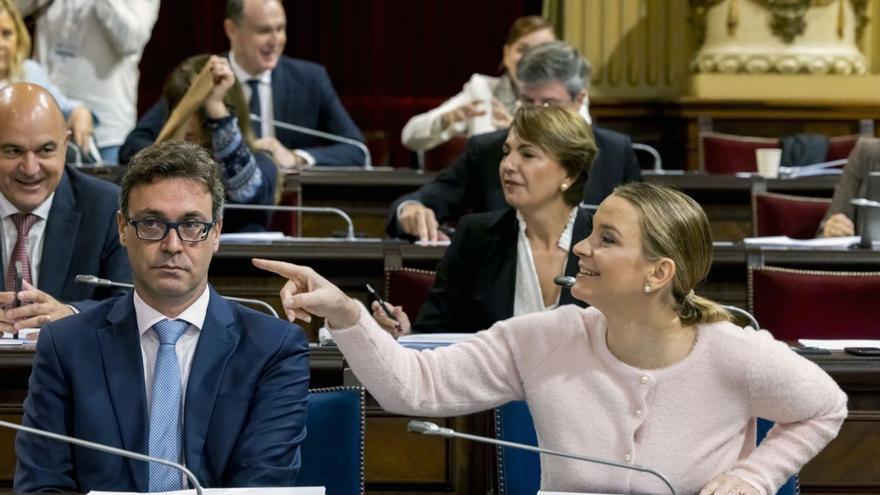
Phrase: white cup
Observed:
(479, 90)
(768, 162)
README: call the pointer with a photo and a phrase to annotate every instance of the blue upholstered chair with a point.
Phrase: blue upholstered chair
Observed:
(519, 471)
(333, 451)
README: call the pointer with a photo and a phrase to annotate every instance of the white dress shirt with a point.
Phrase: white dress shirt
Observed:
(267, 113)
(186, 345)
(35, 235)
(527, 297)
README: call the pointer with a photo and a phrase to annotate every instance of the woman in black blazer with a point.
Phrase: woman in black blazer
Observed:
(502, 263)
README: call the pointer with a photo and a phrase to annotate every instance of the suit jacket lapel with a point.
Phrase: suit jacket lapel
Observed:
(582, 228)
(61, 229)
(284, 88)
(498, 284)
(218, 339)
(124, 373)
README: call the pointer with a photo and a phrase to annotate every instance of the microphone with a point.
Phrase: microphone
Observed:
(564, 281)
(103, 282)
(108, 449)
(368, 159)
(428, 428)
(349, 234)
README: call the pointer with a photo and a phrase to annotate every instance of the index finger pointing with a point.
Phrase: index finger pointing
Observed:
(286, 270)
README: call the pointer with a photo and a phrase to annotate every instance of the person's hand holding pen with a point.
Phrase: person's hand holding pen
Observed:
(391, 318)
(29, 308)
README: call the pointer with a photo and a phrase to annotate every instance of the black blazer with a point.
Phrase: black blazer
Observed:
(476, 278)
(471, 183)
(82, 237)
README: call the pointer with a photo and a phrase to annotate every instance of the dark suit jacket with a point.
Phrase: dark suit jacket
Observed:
(862, 160)
(476, 278)
(245, 401)
(302, 95)
(81, 237)
(471, 183)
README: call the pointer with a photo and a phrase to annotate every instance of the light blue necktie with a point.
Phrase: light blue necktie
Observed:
(166, 426)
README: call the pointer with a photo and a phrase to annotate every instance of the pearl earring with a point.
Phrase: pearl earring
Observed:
(647, 289)
(564, 186)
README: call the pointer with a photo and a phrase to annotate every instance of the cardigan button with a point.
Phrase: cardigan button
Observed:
(627, 457)
(638, 413)
(644, 379)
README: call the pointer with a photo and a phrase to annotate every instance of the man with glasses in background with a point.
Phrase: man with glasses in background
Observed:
(173, 370)
(550, 74)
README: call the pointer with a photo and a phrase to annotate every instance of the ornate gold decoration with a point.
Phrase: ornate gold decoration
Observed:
(699, 8)
(860, 8)
(788, 16)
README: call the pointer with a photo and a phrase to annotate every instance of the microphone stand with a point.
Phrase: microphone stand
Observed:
(349, 233)
(368, 159)
(103, 282)
(428, 428)
(108, 449)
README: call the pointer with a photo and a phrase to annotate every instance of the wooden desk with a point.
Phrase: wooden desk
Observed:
(401, 462)
(367, 195)
(352, 264)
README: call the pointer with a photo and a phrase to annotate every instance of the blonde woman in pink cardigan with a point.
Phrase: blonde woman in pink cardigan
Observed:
(651, 374)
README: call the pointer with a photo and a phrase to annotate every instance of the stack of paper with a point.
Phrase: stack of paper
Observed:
(839, 344)
(303, 490)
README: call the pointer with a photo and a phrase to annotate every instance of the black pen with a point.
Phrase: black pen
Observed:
(375, 296)
(19, 281)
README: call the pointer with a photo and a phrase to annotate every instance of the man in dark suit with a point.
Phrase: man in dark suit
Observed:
(278, 88)
(56, 222)
(172, 370)
(550, 74)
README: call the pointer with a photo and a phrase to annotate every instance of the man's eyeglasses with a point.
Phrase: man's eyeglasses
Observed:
(528, 102)
(156, 230)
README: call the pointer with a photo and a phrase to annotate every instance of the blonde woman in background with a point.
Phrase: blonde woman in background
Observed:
(650, 374)
(15, 66)
(485, 103)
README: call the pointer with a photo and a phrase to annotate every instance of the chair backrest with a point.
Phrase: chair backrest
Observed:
(408, 287)
(519, 471)
(802, 304)
(333, 451)
(839, 147)
(729, 153)
(797, 217)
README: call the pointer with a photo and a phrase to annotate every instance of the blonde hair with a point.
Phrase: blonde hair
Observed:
(674, 226)
(23, 41)
(566, 136)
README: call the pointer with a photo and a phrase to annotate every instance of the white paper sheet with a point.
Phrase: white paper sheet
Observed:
(435, 338)
(839, 344)
(300, 490)
(822, 242)
(253, 237)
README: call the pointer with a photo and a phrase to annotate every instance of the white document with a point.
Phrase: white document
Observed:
(253, 237)
(435, 338)
(821, 242)
(570, 493)
(300, 490)
(839, 344)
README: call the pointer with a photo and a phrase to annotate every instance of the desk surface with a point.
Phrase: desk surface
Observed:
(409, 178)
(318, 249)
